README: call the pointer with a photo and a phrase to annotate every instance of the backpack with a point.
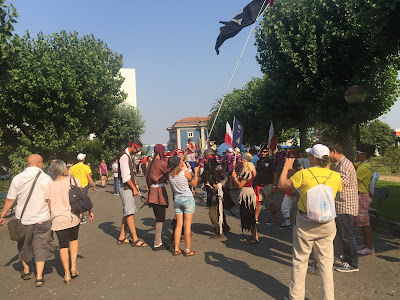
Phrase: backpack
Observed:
(79, 201)
(372, 184)
(321, 202)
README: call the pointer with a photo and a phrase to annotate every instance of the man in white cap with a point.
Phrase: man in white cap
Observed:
(311, 235)
(82, 173)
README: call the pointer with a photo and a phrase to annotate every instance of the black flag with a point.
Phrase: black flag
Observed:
(247, 16)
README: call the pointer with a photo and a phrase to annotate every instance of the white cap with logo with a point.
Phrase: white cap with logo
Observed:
(81, 156)
(318, 150)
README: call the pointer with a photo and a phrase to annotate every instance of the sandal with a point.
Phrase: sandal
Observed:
(176, 253)
(189, 253)
(251, 241)
(67, 279)
(39, 282)
(74, 273)
(26, 276)
(123, 241)
(136, 243)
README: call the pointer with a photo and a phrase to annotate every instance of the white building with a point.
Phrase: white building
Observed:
(129, 86)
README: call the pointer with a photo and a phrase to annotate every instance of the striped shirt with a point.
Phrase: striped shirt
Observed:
(346, 201)
(180, 185)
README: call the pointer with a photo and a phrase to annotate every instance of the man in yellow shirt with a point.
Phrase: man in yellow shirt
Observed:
(82, 173)
(308, 234)
(364, 173)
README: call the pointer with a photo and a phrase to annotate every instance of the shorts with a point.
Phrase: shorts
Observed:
(128, 201)
(364, 202)
(184, 205)
(38, 243)
(67, 235)
(265, 194)
(105, 174)
(159, 212)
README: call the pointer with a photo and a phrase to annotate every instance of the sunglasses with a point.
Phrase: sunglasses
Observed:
(265, 151)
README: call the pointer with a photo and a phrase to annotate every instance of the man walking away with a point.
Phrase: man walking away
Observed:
(38, 241)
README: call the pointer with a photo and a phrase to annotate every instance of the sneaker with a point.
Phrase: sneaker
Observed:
(346, 268)
(339, 261)
(159, 248)
(270, 223)
(366, 251)
(362, 246)
(82, 220)
(284, 226)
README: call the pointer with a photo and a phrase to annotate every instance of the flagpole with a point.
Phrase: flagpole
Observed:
(237, 64)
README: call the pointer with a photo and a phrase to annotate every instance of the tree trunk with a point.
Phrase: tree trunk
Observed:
(303, 137)
(345, 139)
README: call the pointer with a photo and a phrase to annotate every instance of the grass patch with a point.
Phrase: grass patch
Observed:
(391, 206)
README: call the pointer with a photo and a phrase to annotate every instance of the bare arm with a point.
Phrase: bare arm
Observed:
(7, 205)
(195, 178)
(284, 182)
(91, 181)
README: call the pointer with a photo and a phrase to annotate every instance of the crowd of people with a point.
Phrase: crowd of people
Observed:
(258, 173)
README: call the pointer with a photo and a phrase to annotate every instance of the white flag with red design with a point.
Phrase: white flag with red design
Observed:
(228, 134)
(271, 138)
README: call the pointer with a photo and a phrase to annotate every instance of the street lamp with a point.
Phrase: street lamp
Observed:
(356, 95)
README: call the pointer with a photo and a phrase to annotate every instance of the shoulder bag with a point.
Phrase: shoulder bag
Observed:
(15, 227)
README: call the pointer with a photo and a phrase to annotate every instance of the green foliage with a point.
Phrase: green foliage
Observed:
(18, 160)
(8, 15)
(392, 158)
(59, 88)
(145, 150)
(391, 206)
(123, 124)
(377, 133)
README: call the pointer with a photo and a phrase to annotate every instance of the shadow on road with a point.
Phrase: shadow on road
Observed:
(264, 282)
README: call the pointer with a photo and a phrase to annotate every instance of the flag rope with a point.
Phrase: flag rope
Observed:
(234, 71)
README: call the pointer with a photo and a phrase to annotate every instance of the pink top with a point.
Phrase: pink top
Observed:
(103, 168)
(60, 209)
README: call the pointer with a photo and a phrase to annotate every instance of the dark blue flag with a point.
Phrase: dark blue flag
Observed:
(237, 133)
(247, 16)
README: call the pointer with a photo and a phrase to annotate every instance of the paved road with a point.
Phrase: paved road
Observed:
(223, 269)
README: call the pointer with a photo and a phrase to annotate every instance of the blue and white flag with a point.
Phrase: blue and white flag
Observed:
(237, 133)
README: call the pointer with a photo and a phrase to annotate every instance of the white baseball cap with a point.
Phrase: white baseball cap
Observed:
(81, 156)
(318, 151)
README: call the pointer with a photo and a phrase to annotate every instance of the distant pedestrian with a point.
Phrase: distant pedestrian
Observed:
(157, 198)
(63, 222)
(114, 168)
(49, 171)
(38, 241)
(190, 150)
(103, 171)
(82, 173)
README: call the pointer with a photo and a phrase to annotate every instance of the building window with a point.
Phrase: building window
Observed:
(173, 135)
(190, 134)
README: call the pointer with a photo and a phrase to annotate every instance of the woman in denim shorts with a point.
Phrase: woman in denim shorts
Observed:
(184, 205)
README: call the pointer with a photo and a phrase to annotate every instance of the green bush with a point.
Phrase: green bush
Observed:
(392, 158)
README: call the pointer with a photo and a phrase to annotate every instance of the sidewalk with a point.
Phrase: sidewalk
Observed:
(223, 269)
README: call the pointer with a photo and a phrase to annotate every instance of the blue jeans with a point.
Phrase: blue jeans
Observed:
(116, 185)
(345, 226)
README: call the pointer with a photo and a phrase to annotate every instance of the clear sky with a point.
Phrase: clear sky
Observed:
(169, 43)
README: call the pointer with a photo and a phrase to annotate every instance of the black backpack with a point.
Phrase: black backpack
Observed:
(79, 201)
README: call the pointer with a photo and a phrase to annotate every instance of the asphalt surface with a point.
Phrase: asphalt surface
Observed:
(226, 268)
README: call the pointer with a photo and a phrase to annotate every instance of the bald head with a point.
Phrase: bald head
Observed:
(35, 160)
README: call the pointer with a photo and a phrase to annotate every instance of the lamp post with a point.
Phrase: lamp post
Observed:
(356, 95)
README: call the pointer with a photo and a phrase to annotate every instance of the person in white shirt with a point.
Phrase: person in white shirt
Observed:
(38, 241)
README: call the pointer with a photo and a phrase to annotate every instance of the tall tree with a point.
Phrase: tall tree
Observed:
(124, 123)
(59, 88)
(316, 50)
(8, 16)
